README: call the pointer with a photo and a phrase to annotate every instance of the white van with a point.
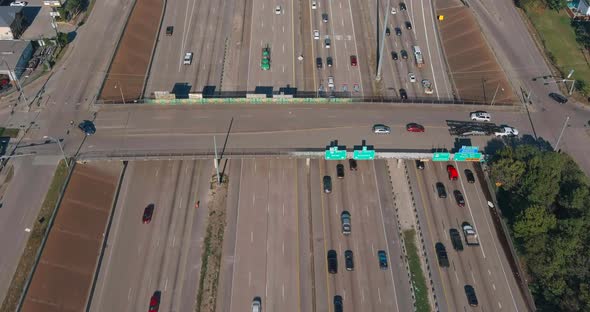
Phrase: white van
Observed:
(188, 58)
(331, 81)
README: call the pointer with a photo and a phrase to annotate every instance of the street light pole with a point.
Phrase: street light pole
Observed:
(120, 90)
(561, 134)
(494, 98)
(60, 148)
(380, 63)
(15, 79)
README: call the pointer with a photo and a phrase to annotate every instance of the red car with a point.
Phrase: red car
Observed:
(414, 127)
(453, 174)
(147, 214)
(353, 60)
(155, 302)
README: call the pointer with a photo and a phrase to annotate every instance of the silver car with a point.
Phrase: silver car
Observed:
(381, 129)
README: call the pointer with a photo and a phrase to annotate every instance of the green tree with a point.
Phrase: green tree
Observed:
(540, 185)
(534, 221)
(556, 4)
(73, 6)
(508, 171)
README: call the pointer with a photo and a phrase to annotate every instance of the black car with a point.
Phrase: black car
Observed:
(87, 127)
(318, 62)
(349, 260)
(459, 198)
(404, 54)
(471, 297)
(398, 31)
(456, 239)
(402, 6)
(419, 164)
(169, 30)
(440, 189)
(403, 94)
(387, 31)
(469, 175)
(352, 164)
(441, 254)
(332, 261)
(394, 56)
(327, 184)
(408, 25)
(558, 97)
(338, 304)
(340, 171)
(329, 61)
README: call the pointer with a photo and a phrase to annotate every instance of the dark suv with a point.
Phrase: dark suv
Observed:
(408, 25)
(456, 239)
(352, 164)
(441, 254)
(459, 198)
(327, 184)
(338, 304)
(398, 31)
(332, 261)
(471, 297)
(558, 98)
(394, 56)
(440, 189)
(340, 171)
(419, 164)
(404, 54)
(403, 94)
(318, 62)
(469, 175)
(348, 259)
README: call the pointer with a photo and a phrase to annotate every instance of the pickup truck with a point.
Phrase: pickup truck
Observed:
(470, 234)
(506, 131)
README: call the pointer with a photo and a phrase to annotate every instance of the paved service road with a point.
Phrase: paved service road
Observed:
(163, 255)
(485, 267)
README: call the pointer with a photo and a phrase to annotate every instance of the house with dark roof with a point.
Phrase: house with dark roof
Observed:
(12, 22)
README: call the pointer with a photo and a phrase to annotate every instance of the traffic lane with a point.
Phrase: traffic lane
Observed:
(303, 206)
(364, 37)
(424, 205)
(21, 202)
(402, 294)
(319, 243)
(133, 244)
(502, 280)
(283, 39)
(341, 34)
(249, 275)
(282, 247)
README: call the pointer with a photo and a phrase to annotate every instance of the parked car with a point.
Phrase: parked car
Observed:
(340, 171)
(441, 254)
(471, 297)
(558, 98)
(348, 259)
(469, 175)
(155, 302)
(414, 127)
(148, 212)
(327, 184)
(453, 174)
(456, 239)
(332, 261)
(459, 198)
(440, 189)
(352, 164)
(382, 255)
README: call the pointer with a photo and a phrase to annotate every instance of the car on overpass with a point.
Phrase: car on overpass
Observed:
(414, 127)
(381, 129)
(480, 116)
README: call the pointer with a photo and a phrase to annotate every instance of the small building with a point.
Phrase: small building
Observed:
(578, 9)
(12, 22)
(14, 57)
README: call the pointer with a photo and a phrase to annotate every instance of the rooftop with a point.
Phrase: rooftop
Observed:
(11, 51)
(7, 14)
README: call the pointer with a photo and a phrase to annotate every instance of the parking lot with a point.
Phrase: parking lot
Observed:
(485, 267)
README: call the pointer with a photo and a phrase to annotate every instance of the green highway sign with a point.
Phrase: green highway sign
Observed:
(335, 153)
(441, 157)
(467, 157)
(364, 153)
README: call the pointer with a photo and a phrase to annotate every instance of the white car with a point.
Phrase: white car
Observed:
(316, 34)
(278, 10)
(506, 131)
(188, 58)
(393, 11)
(314, 5)
(381, 129)
(480, 116)
(19, 3)
(412, 77)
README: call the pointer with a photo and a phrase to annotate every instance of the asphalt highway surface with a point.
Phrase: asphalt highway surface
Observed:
(485, 267)
(285, 224)
(163, 255)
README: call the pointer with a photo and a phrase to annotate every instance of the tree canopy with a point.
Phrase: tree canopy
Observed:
(549, 200)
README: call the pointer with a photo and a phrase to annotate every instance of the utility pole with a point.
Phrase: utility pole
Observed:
(380, 56)
(494, 98)
(561, 134)
(216, 160)
(120, 90)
